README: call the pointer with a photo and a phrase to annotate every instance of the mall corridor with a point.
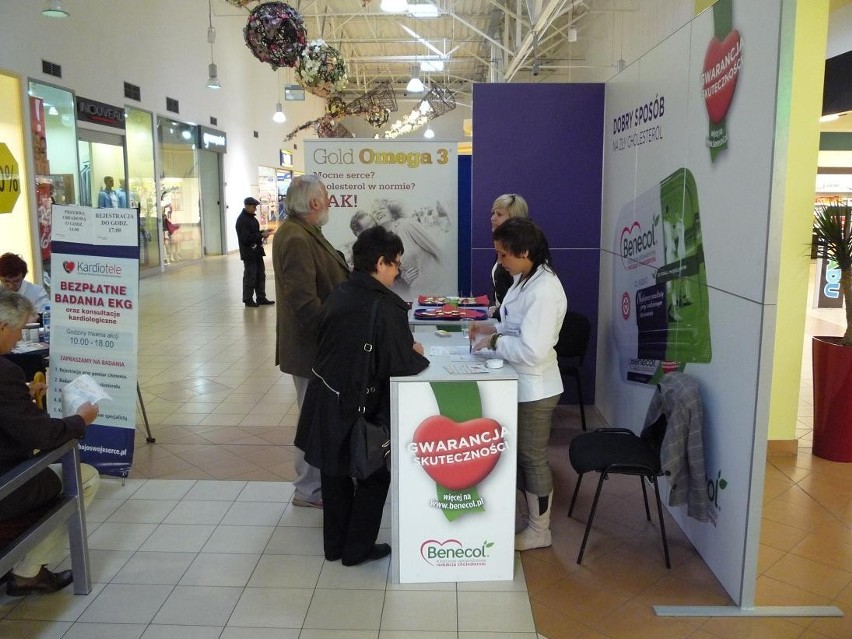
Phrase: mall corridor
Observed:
(202, 542)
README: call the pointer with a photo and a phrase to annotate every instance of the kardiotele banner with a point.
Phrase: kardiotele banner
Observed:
(95, 323)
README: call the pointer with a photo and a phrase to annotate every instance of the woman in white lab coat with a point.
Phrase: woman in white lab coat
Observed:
(530, 319)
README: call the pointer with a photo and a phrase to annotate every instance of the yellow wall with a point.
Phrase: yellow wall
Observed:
(15, 227)
(799, 108)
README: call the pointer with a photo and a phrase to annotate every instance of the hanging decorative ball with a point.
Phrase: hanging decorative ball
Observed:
(239, 3)
(321, 69)
(377, 116)
(335, 107)
(276, 34)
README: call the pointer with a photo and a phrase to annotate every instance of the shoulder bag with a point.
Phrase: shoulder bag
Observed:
(369, 445)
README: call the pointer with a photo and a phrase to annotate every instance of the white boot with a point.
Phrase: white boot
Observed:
(537, 534)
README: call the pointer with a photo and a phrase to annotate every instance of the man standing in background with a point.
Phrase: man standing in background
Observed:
(307, 268)
(250, 239)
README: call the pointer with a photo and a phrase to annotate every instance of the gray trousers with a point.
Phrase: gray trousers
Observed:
(534, 422)
(308, 484)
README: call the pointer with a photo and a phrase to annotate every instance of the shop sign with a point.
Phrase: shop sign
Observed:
(212, 140)
(100, 113)
(10, 180)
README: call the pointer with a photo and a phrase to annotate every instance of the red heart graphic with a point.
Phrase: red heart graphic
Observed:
(68, 266)
(458, 456)
(721, 71)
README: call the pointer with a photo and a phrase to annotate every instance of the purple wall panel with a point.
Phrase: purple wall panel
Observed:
(545, 142)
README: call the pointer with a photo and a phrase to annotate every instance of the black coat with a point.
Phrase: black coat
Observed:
(325, 423)
(503, 281)
(249, 236)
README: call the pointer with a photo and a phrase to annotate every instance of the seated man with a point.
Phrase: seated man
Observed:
(23, 428)
(12, 272)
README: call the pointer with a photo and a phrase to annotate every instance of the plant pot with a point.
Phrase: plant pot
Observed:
(832, 369)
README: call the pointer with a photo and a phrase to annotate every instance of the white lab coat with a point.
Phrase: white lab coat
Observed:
(36, 294)
(530, 320)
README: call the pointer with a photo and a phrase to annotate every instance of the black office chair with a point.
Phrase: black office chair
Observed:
(571, 349)
(620, 451)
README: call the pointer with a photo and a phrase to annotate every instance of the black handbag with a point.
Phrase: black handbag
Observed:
(369, 444)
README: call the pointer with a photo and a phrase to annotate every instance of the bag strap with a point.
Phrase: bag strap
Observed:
(368, 349)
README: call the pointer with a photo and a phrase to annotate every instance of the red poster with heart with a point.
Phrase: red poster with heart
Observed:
(458, 455)
(721, 72)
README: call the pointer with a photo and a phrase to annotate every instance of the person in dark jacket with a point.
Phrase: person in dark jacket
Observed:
(353, 508)
(23, 428)
(250, 239)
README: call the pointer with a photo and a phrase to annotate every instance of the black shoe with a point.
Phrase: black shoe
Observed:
(44, 582)
(378, 551)
(265, 302)
(251, 304)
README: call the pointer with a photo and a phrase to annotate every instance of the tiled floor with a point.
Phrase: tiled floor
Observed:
(202, 540)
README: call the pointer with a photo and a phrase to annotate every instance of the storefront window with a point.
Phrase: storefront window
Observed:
(14, 204)
(180, 212)
(142, 187)
(54, 130)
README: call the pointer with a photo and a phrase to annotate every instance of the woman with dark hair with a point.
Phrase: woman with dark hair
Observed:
(13, 270)
(352, 509)
(505, 207)
(530, 319)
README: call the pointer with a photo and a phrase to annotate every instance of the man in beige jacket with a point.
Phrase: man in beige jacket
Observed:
(307, 268)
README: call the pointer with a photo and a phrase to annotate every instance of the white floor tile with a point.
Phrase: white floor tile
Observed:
(198, 605)
(309, 633)
(254, 513)
(164, 489)
(115, 488)
(301, 516)
(109, 536)
(219, 569)
(178, 537)
(105, 631)
(198, 512)
(58, 606)
(372, 575)
(417, 634)
(103, 564)
(266, 491)
(286, 571)
(272, 608)
(100, 509)
(495, 612)
(518, 583)
(239, 539)
(292, 540)
(142, 511)
(345, 610)
(419, 610)
(126, 603)
(216, 490)
(260, 633)
(40, 629)
(163, 568)
(184, 632)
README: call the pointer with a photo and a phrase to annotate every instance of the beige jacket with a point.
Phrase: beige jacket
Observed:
(307, 268)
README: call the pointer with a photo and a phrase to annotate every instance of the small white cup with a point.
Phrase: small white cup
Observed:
(465, 326)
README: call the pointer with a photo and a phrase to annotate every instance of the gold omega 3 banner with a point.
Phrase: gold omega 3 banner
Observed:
(408, 186)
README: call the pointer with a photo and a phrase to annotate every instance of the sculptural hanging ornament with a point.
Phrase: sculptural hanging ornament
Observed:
(240, 3)
(321, 69)
(276, 34)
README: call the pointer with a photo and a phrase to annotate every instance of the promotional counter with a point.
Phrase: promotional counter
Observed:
(454, 464)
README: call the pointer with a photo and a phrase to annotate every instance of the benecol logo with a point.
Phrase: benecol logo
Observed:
(638, 246)
(451, 552)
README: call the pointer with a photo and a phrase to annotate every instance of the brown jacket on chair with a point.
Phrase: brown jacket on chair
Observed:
(307, 269)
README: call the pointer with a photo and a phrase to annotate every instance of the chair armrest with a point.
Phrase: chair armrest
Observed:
(623, 431)
(23, 472)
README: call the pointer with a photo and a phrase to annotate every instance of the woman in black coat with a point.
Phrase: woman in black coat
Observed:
(352, 509)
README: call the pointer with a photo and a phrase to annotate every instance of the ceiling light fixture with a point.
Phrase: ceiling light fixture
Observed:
(213, 71)
(415, 85)
(54, 9)
(394, 6)
(52, 110)
(279, 114)
(424, 10)
(213, 77)
(572, 34)
(429, 133)
(831, 117)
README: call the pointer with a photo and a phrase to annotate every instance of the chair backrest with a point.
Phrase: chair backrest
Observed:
(574, 337)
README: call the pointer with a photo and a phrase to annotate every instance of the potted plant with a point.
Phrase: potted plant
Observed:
(832, 356)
